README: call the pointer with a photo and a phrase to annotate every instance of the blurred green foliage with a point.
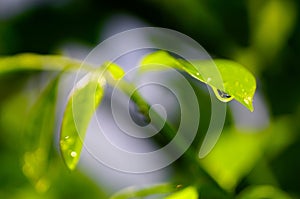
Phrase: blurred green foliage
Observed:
(262, 35)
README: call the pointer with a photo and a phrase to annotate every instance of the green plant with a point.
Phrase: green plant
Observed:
(231, 81)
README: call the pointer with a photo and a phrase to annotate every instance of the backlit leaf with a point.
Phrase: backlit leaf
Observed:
(82, 103)
(114, 70)
(227, 78)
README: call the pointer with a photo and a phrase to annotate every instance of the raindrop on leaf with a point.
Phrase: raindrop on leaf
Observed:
(221, 95)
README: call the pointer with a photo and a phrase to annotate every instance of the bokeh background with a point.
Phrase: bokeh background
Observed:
(258, 153)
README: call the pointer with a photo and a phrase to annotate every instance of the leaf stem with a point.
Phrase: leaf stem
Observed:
(167, 131)
(36, 62)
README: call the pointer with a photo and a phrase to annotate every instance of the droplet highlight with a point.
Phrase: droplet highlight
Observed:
(73, 154)
(222, 96)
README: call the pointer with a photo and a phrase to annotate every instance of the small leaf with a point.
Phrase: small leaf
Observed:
(155, 61)
(228, 79)
(82, 103)
(39, 153)
(189, 192)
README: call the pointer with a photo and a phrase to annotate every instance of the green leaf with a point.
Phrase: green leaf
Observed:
(262, 192)
(189, 192)
(265, 17)
(228, 79)
(38, 158)
(222, 162)
(237, 80)
(82, 103)
(35, 62)
(238, 152)
(133, 192)
(114, 70)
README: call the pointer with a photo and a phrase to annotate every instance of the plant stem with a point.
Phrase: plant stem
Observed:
(35, 62)
(167, 131)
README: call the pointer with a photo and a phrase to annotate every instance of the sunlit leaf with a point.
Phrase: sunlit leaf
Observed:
(114, 70)
(35, 62)
(38, 158)
(82, 103)
(134, 192)
(155, 61)
(228, 79)
(189, 192)
(262, 192)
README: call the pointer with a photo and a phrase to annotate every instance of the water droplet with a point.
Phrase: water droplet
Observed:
(66, 142)
(197, 74)
(221, 95)
(208, 79)
(73, 154)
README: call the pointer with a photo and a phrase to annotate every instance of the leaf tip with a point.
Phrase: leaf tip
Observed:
(248, 103)
(251, 108)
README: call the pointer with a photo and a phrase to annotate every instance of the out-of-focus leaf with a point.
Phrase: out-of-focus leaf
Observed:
(262, 192)
(82, 103)
(228, 79)
(133, 192)
(189, 192)
(35, 62)
(269, 36)
(38, 160)
(233, 156)
(277, 140)
(76, 186)
(236, 153)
